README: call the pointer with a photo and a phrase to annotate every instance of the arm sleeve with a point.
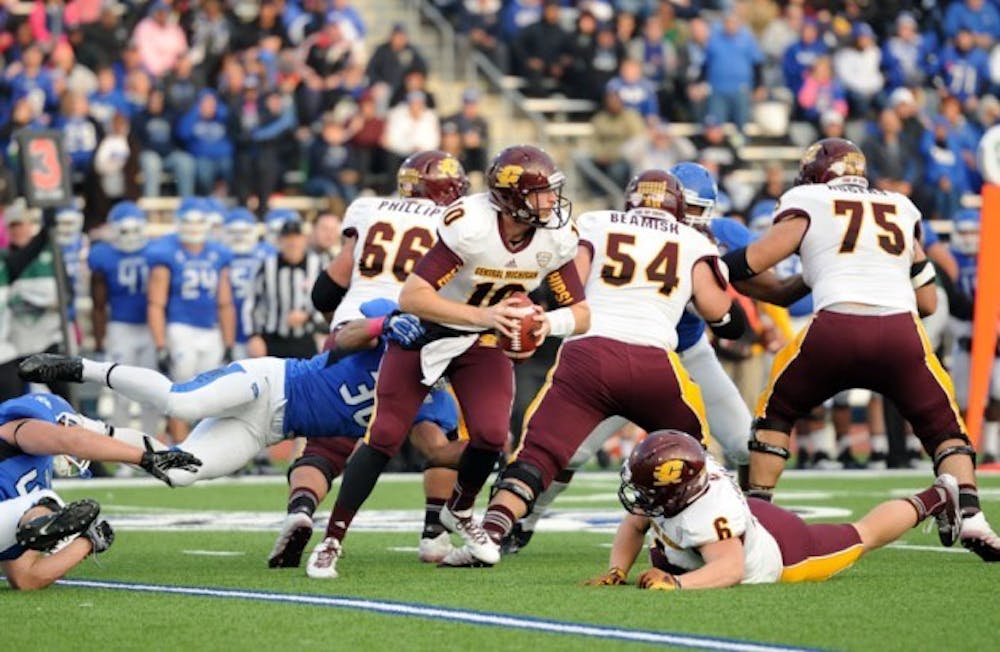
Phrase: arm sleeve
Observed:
(565, 285)
(439, 265)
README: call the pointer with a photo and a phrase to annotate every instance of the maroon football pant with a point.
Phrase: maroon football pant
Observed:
(597, 377)
(333, 450)
(888, 354)
(483, 381)
(809, 552)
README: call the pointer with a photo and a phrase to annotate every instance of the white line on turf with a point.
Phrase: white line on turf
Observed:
(490, 619)
(214, 553)
(902, 545)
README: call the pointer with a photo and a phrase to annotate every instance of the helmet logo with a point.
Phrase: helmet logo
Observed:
(851, 164)
(509, 175)
(811, 153)
(651, 188)
(409, 175)
(449, 167)
(668, 473)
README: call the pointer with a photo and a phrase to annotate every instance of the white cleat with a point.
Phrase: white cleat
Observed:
(323, 560)
(462, 558)
(979, 537)
(296, 531)
(949, 521)
(433, 550)
(476, 540)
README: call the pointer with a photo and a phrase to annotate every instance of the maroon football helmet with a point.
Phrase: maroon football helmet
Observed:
(518, 179)
(828, 159)
(658, 190)
(434, 175)
(664, 474)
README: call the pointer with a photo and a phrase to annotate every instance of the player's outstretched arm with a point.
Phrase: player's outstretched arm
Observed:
(99, 310)
(723, 567)
(157, 290)
(922, 275)
(781, 241)
(723, 315)
(227, 312)
(767, 287)
(626, 547)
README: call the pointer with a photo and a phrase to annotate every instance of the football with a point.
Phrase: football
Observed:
(522, 345)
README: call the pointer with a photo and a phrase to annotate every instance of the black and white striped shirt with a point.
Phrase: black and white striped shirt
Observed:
(280, 289)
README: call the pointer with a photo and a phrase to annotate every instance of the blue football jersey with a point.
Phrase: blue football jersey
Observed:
(327, 397)
(966, 272)
(242, 272)
(125, 274)
(194, 280)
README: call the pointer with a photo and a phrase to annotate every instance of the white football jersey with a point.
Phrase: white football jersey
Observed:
(490, 271)
(392, 235)
(720, 513)
(859, 245)
(640, 275)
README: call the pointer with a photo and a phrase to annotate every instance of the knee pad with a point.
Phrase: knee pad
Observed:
(319, 463)
(526, 474)
(758, 446)
(954, 450)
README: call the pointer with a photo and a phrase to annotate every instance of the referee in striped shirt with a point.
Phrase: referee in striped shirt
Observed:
(284, 320)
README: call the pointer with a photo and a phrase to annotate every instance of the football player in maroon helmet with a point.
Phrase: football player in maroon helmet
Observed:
(658, 190)
(432, 174)
(525, 184)
(829, 159)
(706, 535)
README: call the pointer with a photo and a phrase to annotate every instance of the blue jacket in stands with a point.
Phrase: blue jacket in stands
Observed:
(205, 137)
(730, 60)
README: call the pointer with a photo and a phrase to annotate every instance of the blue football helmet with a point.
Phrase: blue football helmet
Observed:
(69, 226)
(700, 192)
(128, 226)
(240, 231)
(965, 237)
(192, 220)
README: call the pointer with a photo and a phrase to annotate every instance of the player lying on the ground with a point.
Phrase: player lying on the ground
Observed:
(861, 255)
(248, 405)
(707, 535)
(33, 519)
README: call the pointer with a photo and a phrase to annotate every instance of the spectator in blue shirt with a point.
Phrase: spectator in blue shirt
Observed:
(944, 168)
(964, 70)
(800, 57)
(107, 100)
(892, 165)
(733, 64)
(905, 55)
(635, 92)
(202, 133)
(517, 15)
(28, 77)
(81, 134)
(332, 165)
(154, 129)
(978, 16)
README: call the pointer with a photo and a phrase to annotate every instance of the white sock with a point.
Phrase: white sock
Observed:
(880, 443)
(137, 383)
(542, 503)
(913, 444)
(991, 438)
(823, 440)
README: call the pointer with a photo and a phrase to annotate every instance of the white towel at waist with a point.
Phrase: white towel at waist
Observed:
(436, 356)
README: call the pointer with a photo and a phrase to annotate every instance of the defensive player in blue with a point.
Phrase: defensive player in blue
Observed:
(190, 312)
(728, 416)
(69, 237)
(250, 404)
(33, 519)
(965, 248)
(119, 269)
(240, 235)
(215, 213)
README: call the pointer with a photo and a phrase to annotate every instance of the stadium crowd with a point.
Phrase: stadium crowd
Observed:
(239, 101)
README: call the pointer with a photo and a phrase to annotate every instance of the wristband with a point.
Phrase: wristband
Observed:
(374, 326)
(562, 322)
(922, 274)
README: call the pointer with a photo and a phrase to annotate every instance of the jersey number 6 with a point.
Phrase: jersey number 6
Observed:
(412, 246)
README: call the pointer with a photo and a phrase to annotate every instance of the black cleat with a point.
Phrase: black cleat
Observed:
(44, 532)
(515, 540)
(850, 462)
(292, 541)
(49, 367)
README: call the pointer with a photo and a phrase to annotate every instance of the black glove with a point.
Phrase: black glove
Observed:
(101, 536)
(227, 355)
(163, 360)
(157, 463)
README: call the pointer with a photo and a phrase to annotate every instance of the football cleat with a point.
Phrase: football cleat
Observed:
(49, 367)
(515, 540)
(296, 530)
(477, 541)
(322, 563)
(44, 532)
(434, 549)
(979, 537)
(949, 519)
(462, 558)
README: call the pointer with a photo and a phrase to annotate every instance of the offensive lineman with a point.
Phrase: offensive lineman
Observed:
(642, 267)
(383, 240)
(861, 255)
(489, 246)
